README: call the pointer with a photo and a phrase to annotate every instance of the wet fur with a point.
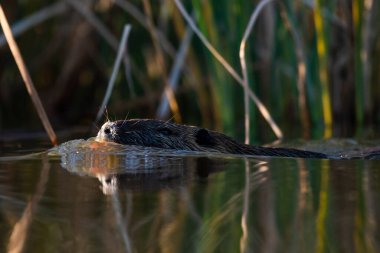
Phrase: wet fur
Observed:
(161, 134)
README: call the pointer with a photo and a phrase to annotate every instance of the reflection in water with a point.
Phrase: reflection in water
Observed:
(164, 202)
(133, 166)
(20, 230)
(244, 216)
(121, 223)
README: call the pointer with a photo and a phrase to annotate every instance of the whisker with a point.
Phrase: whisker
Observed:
(170, 119)
(126, 117)
(106, 114)
(125, 120)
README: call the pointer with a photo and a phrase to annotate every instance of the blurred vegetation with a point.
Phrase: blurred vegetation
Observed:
(314, 64)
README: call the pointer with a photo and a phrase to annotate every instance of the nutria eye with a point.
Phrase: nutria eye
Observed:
(107, 130)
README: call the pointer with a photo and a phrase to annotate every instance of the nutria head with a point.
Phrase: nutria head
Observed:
(157, 133)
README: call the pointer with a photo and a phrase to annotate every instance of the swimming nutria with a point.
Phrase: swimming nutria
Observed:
(168, 135)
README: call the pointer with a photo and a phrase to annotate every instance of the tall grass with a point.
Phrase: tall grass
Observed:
(312, 65)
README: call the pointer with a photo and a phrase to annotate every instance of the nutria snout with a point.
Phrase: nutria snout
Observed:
(168, 135)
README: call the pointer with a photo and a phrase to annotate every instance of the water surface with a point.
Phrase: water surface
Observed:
(88, 198)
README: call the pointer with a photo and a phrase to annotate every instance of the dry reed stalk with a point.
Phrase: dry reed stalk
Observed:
(73, 56)
(26, 77)
(128, 74)
(243, 63)
(162, 110)
(95, 22)
(103, 31)
(192, 74)
(168, 91)
(35, 19)
(263, 110)
(301, 71)
(116, 66)
(135, 12)
(371, 8)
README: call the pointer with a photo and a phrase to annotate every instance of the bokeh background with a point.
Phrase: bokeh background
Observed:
(314, 64)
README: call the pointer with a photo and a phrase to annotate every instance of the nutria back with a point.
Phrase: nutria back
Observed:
(168, 135)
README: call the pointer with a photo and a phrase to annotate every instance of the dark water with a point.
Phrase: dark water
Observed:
(88, 198)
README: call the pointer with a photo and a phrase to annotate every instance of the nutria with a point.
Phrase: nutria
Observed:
(168, 135)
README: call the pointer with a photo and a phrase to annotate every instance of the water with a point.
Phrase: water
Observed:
(88, 198)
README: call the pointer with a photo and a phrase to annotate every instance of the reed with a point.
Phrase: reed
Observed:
(111, 83)
(357, 10)
(26, 77)
(307, 77)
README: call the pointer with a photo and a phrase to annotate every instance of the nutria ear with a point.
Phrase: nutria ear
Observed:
(203, 137)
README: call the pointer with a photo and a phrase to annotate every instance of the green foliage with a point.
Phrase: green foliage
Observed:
(68, 58)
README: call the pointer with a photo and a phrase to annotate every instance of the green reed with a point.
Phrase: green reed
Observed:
(312, 65)
(326, 88)
(357, 17)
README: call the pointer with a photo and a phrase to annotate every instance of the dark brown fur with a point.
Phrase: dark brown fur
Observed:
(161, 134)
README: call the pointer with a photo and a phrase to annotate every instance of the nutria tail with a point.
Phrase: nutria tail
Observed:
(161, 134)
